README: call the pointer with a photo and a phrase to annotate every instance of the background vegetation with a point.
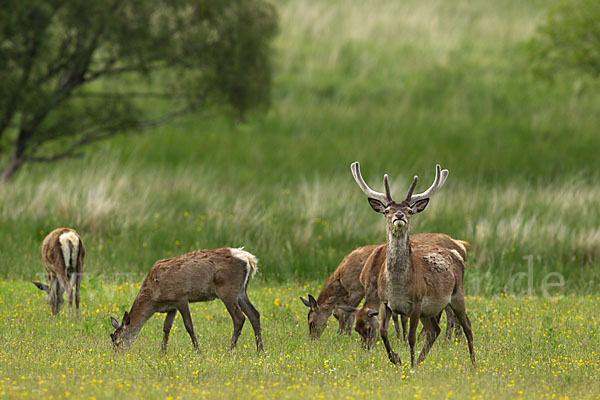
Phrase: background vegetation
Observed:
(397, 86)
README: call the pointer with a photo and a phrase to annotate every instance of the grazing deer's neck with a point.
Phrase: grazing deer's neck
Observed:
(141, 311)
(397, 259)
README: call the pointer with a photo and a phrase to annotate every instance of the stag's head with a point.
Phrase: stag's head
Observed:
(54, 298)
(367, 324)
(317, 317)
(122, 335)
(398, 215)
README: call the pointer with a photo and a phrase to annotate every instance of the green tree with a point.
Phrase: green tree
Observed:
(73, 72)
(569, 39)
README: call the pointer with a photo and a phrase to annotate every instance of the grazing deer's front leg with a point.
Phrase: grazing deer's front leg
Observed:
(404, 322)
(253, 316)
(433, 330)
(386, 313)
(64, 282)
(346, 319)
(167, 328)
(184, 310)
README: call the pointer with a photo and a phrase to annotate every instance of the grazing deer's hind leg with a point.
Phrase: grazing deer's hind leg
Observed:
(432, 329)
(458, 306)
(253, 316)
(386, 313)
(233, 307)
(66, 285)
(184, 310)
(167, 328)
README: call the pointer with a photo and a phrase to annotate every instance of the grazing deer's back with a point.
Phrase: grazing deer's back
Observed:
(196, 275)
(351, 267)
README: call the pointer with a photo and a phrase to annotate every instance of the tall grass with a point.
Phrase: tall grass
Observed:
(397, 86)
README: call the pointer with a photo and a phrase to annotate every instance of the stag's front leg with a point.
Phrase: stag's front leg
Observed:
(412, 334)
(386, 313)
(167, 328)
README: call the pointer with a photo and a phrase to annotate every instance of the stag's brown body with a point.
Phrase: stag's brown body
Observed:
(63, 254)
(201, 275)
(367, 323)
(417, 282)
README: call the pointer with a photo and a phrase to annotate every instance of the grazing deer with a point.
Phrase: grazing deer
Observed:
(367, 324)
(343, 287)
(62, 255)
(415, 282)
(201, 275)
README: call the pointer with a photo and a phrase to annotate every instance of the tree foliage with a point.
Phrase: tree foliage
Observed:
(569, 39)
(73, 72)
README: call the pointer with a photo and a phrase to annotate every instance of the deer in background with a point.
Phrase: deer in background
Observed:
(201, 275)
(415, 282)
(62, 255)
(367, 323)
(343, 287)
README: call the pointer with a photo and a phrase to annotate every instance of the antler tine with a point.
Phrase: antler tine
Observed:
(438, 182)
(411, 189)
(386, 184)
(355, 167)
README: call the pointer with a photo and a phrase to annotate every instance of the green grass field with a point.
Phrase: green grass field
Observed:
(398, 86)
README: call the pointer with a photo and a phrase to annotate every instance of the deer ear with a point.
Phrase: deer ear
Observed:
(377, 205)
(313, 302)
(419, 206)
(348, 308)
(372, 313)
(305, 302)
(41, 286)
(126, 319)
(114, 323)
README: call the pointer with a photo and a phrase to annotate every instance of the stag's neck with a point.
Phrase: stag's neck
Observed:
(397, 259)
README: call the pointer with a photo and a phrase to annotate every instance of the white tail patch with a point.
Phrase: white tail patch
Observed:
(457, 254)
(462, 244)
(69, 256)
(250, 260)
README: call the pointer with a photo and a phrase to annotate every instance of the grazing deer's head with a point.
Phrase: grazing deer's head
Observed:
(398, 215)
(317, 317)
(367, 324)
(122, 334)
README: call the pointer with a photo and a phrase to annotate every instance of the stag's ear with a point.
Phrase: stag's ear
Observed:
(348, 308)
(305, 302)
(419, 206)
(126, 319)
(313, 302)
(372, 313)
(114, 323)
(377, 205)
(41, 286)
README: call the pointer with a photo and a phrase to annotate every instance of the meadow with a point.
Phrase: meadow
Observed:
(398, 86)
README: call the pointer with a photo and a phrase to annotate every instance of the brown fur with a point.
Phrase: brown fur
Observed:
(367, 324)
(59, 276)
(202, 275)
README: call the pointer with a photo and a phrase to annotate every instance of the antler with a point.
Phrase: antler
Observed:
(438, 182)
(385, 198)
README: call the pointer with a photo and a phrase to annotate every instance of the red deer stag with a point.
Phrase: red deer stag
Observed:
(62, 255)
(367, 324)
(201, 275)
(415, 282)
